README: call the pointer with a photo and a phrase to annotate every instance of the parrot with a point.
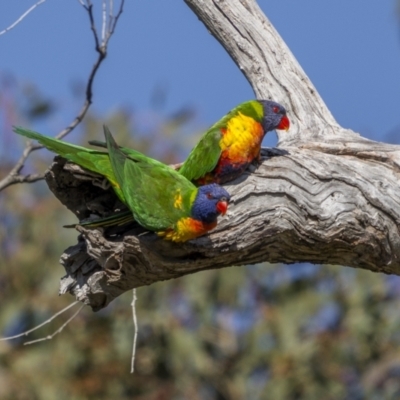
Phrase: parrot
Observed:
(231, 144)
(93, 160)
(165, 201)
(222, 154)
(234, 142)
(162, 200)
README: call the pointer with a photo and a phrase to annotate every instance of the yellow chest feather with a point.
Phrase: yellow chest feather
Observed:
(242, 137)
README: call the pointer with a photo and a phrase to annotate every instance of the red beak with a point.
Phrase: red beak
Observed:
(222, 207)
(284, 124)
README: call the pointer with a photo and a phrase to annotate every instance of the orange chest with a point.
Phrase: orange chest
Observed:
(187, 229)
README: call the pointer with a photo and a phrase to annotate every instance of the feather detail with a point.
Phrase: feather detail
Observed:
(240, 144)
(242, 139)
(178, 200)
(187, 229)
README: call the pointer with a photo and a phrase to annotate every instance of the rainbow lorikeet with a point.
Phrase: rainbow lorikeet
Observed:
(222, 154)
(163, 200)
(95, 161)
(159, 198)
(231, 144)
(234, 142)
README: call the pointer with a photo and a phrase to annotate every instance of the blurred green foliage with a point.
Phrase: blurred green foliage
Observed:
(257, 332)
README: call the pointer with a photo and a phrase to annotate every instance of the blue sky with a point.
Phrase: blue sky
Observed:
(349, 49)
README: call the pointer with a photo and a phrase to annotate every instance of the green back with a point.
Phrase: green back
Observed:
(205, 155)
(157, 195)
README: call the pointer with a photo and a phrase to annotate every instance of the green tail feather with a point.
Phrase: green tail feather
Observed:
(119, 219)
(98, 143)
(93, 160)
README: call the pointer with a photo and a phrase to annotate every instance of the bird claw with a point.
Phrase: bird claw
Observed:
(102, 183)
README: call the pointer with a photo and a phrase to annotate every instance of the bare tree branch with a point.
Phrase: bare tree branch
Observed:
(113, 20)
(89, 9)
(135, 330)
(104, 24)
(22, 17)
(270, 67)
(15, 175)
(59, 330)
(54, 316)
(110, 14)
(325, 195)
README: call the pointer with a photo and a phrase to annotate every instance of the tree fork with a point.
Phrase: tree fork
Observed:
(326, 195)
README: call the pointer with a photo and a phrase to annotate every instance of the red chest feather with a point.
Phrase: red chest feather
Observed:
(187, 229)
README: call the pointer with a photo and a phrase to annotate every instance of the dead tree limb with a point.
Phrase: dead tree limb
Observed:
(325, 195)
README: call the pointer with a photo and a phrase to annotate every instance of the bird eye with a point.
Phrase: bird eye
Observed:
(275, 109)
(209, 196)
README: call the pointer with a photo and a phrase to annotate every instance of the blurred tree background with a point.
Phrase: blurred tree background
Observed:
(255, 332)
(281, 332)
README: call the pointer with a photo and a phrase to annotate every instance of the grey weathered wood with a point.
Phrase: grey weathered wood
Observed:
(325, 195)
(268, 64)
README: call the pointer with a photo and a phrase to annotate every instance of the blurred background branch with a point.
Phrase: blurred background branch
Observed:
(21, 18)
(15, 176)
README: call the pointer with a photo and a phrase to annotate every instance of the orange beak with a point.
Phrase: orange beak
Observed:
(222, 207)
(284, 124)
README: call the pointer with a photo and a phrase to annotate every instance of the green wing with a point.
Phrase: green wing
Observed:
(157, 195)
(126, 150)
(205, 155)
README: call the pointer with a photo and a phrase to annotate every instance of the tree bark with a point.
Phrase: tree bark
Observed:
(325, 195)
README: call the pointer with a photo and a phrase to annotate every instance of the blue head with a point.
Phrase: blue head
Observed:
(211, 201)
(274, 116)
